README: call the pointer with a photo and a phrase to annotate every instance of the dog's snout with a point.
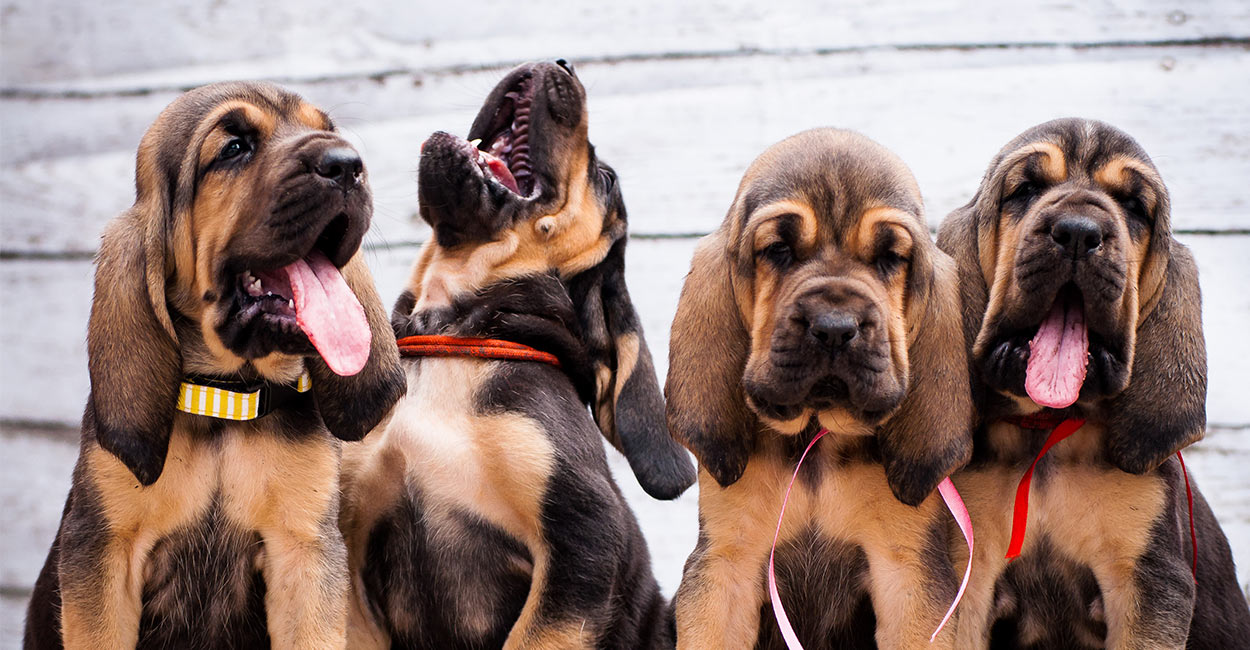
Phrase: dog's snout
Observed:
(1077, 236)
(341, 165)
(834, 329)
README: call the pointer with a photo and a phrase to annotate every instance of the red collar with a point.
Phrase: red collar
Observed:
(432, 345)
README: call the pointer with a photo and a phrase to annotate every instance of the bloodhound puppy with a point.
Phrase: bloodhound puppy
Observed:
(1078, 303)
(204, 502)
(820, 302)
(482, 513)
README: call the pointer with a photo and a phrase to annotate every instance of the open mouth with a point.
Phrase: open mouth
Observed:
(1059, 352)
(504, 153)
(309, 295)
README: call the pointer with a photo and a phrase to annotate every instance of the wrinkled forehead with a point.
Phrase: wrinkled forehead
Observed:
(840, 176)
(1073, 147)
(259, 107)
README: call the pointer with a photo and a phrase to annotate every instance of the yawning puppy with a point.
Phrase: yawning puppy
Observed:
(820, 302)
(234, 334)
(1078, 303)
(483, 514)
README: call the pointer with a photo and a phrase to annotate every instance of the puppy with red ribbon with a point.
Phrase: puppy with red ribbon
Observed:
(1082, 316)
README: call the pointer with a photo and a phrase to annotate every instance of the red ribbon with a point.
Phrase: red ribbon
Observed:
(432, 345)
(1020, 518)
(953, 503)
(1063, 429)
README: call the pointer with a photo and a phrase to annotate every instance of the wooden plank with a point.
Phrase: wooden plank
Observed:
(43, 375)
(46, 47)
(681, 133)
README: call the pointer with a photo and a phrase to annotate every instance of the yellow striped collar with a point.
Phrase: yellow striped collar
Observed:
(237, 400)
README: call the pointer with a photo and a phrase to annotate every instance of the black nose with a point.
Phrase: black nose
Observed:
(568, 67)
(341, 165)
(834, 329)
(1077, 236)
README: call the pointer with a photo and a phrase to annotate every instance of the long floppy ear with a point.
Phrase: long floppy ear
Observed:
(629, 408)
(707, 355)
(930, 435)
(1163, 409)
(957, 237)
(352, 406)
(132, 355)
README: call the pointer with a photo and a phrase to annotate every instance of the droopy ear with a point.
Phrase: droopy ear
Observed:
(930, 435)
(1163, 409)
(132, 356)
(629, 408)
(958, 238)
(352, 406)
(707, 355)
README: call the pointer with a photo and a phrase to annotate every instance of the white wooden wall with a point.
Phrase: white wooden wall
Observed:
(682, 97)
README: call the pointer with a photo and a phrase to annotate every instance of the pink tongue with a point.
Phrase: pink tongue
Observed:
(501, 172)
(329, 313)
(1058, 356)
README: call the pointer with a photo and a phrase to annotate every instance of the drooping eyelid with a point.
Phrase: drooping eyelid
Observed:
(893, 238)
(785, 220)
(228, 126)
(1043, 163)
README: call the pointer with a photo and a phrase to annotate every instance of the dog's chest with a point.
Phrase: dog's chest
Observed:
(205, 577)
(495, 465)
(1081, 502)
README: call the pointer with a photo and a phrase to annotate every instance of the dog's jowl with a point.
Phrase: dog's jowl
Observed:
(1082, 314)
(235, 337)
(820, 303)
(482, 513)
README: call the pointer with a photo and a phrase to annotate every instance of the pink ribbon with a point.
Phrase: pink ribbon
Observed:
(953, 503)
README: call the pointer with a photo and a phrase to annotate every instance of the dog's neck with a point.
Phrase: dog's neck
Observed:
(535, 310)
(199, 357)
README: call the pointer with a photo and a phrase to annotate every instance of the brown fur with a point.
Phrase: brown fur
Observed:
(1109, 500)
(824, 223)
(165, 503)
(482, 513)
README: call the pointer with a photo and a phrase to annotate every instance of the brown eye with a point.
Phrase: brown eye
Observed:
(779, 254)
(888, 262)
(233, 149)
(1024, 193)
(1134, 208)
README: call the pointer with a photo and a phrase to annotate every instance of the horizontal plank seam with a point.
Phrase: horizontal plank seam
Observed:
(34, 91)
(62, 256)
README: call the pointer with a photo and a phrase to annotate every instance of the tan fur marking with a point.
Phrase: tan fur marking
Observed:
(871, 221)
(1001, 284)
(1116, 173)
(626, 359)
(718, 607)
(764, 221)
(312, 117)
(572, 241)
(1112, 539)
(281, 488)
(1054, 164)
(262, 120)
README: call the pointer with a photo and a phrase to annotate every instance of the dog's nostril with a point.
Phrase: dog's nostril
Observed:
(341, 165)
(1077, 236)
(834, 329)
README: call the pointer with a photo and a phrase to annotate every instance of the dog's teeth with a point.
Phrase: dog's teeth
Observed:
(291, 303)
(475, 143)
